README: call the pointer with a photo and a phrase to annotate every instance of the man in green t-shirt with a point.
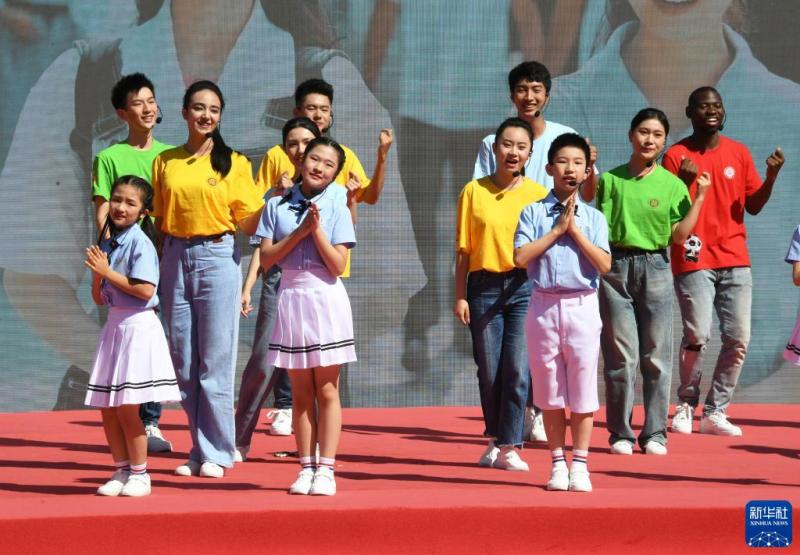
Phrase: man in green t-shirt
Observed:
(133, 97)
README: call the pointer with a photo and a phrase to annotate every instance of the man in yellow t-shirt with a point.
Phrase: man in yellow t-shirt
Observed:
(314, 100)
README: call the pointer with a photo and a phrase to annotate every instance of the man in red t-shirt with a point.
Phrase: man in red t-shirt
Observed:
(712, 267)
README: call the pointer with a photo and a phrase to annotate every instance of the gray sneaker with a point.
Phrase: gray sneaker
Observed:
(155, 440)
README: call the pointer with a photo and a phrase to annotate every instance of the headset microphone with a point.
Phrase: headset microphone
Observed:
(722, 125)
(516, 173)
(650, 163)
(537, 113)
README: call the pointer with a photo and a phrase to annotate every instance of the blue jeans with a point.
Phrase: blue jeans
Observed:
(253, 389)
(636, 309)
(150, 413)
(729, 292)
(200, 293)
(498, 304)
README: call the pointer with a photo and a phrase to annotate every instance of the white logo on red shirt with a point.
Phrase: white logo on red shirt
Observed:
(729, 172)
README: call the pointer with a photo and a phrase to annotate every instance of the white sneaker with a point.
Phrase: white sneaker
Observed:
(717, 423)
(654, 448)
(189, 468)
(138, 485)
(211, 470)
(682, 421)
(579, 480)
(155, 440)
(621, 447)
(281, 422)
(324, 482)
(490, 455)
(302, 485)
(508, 459)
(240, 454)
(114, 486)
(538, 433)
(559, 479)
(527, 424)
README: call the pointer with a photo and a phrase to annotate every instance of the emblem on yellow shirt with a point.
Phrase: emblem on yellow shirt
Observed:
(212, 181)
(653, 203)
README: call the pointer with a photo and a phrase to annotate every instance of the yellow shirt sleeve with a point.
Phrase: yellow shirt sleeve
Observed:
(244, 198)
(352, 164)
(273, 165)
(155, 181)
(464, 220)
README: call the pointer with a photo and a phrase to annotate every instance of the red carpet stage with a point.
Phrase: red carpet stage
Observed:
(407, 484)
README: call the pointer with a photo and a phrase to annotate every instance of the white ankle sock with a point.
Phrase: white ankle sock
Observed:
(122, 465)
(307, 462)
(139, 468)
(579, 459)
(557, 456)
(325, 462)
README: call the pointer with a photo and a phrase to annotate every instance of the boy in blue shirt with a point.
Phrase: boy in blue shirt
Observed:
(563, 242)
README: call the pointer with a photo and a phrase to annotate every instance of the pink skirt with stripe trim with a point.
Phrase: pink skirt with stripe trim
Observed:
(314, 326)
(792, 350)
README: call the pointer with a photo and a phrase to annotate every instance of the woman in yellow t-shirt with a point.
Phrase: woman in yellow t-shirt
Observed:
(203, 191)
(492, 295)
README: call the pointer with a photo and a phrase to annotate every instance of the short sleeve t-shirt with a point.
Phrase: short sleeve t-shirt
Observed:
(123, 159)
(132, 254)
(720, 238)
(641, 211)
(282, 215)
(793, 255)
(276, 162)
(193, 200)
(487, 219)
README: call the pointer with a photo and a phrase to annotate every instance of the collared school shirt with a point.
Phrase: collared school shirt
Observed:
(563, 267)
(282, 215)
(132, 254)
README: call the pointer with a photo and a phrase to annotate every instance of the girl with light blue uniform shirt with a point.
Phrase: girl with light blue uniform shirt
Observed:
(307, 232)
(133, 364)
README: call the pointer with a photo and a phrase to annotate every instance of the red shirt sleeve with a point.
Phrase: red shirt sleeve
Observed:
(752, 181)
(671, 160)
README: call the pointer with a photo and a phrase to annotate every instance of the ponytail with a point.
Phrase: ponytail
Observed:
(221, 154)
(149, 229)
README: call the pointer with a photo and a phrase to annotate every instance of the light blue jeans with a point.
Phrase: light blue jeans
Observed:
(729, 292)
(200, 292)
(636, 309)
(498, 304)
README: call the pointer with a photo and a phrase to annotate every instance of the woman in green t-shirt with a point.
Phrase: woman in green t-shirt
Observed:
(647, 208)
